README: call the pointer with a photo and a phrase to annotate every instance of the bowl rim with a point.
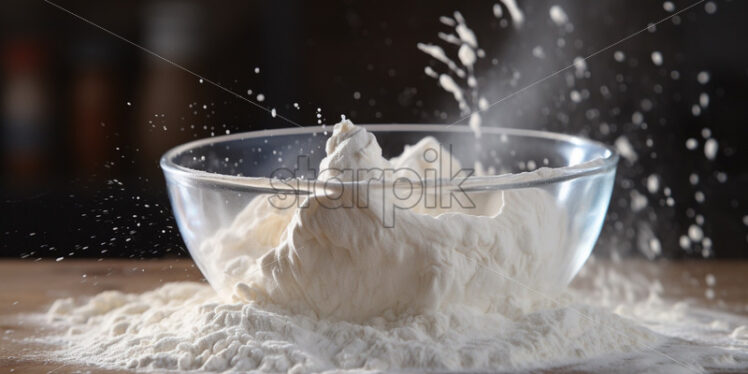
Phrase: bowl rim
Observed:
(502, 181)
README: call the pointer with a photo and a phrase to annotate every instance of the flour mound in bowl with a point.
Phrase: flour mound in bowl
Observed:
(355, 255)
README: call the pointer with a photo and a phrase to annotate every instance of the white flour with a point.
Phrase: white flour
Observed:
(698, 339)
(319, 289)
(184, 326)
(468, 95)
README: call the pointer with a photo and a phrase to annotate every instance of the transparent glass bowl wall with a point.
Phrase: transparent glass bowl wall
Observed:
(210, 181)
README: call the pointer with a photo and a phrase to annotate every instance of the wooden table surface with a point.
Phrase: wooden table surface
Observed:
(31, 287)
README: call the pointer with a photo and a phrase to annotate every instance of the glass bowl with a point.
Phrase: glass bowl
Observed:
(210, 181)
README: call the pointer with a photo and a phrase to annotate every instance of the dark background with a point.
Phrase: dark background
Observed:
(86, 116)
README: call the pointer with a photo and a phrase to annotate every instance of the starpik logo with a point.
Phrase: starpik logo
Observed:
(384, 190)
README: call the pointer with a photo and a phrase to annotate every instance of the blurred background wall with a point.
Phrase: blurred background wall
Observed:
(84, 116)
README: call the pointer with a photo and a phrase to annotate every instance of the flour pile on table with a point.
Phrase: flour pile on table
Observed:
(187, 326)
